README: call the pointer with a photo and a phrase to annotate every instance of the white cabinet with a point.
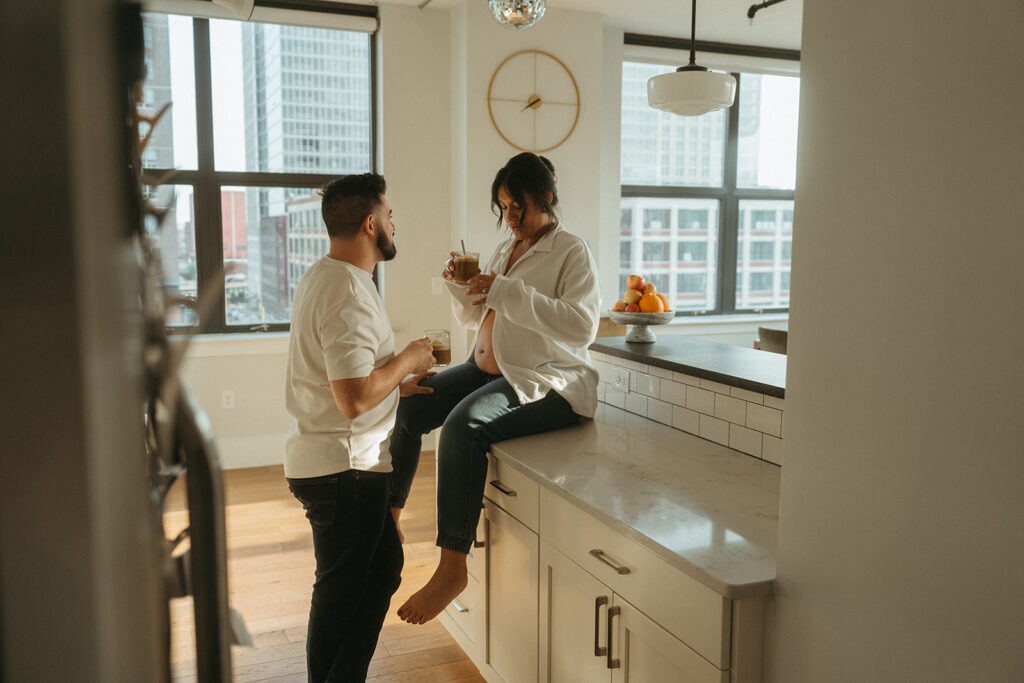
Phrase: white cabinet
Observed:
(511, 597)
(466, 615)
(589, 633)
(495, 619)
(559, 596)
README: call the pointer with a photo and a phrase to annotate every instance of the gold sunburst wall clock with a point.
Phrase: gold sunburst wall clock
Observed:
(533, 101)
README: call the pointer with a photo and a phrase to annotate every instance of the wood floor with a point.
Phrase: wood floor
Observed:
(270, 574)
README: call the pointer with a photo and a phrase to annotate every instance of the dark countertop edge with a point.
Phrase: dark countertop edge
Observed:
(754, 589)
(731, 380)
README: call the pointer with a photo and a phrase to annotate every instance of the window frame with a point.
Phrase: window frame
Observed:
(728, 195)
(207, 182)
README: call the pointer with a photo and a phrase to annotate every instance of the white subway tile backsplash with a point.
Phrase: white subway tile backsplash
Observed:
(661, 372)
(730, 409)
(673, 392)
(746, 440)
(771, 449)
(659, 411)
(686, 420)
(636, 403)
(701, 400)
(686, 379)
(614, 397)
(746, 395)
(742, 419)
(648, 385)
(764, 419)
(716, 387)
(713, 429)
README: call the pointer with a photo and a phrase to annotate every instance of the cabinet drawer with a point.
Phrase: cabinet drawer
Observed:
(467, 613)
(512, 491)
(689, 610)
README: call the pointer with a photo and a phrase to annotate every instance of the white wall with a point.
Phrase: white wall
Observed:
(439, 152)
(901, 543)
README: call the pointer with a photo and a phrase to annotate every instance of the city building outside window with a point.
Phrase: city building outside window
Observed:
(286, 109)
(707, 202)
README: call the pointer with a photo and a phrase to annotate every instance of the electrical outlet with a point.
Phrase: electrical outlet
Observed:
(227, 399)
(436, 285)
(620, 379)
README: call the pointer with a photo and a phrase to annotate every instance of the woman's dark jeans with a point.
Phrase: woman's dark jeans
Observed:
(474, 409)
(358, 568)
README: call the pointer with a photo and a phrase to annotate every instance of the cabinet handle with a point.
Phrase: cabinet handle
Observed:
(496, 483)
(599, 554)
(476, 543)
(459, 607)
(598, 650)
(612, 613)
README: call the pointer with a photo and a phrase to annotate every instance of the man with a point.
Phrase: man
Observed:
(343, 385)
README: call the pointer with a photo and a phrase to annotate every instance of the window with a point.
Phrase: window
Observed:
(717, 188)
(286, 109)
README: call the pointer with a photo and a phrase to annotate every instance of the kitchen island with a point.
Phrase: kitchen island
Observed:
(629, 546)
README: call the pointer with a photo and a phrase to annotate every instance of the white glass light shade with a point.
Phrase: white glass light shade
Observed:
(691, 93)
(519, 14)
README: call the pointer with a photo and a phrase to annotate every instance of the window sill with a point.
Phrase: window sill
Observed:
(211, 345)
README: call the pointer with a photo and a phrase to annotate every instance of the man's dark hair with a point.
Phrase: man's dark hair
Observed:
(348, 200)
(526, 174)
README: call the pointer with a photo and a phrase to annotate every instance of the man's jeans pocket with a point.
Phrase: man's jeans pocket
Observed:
(319, 497)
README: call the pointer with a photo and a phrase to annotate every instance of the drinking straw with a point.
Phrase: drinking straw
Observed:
(463, 247)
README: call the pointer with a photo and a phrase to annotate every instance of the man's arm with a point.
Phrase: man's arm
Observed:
(357, 395)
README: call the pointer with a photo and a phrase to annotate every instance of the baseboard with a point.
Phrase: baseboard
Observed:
(250, 451)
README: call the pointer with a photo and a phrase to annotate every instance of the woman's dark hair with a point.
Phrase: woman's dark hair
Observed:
(526, 174)
(348, 200)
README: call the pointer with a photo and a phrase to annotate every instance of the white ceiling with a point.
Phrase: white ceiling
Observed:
(717, 20)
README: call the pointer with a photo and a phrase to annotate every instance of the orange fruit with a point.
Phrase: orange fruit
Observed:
(650, 303)
(664, 300)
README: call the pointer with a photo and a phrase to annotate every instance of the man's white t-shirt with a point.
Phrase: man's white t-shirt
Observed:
(339, 330)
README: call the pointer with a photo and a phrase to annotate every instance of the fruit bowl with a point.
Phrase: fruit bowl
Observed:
(639, 323)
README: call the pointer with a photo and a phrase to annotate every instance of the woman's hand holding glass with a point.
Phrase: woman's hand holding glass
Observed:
(480, 284)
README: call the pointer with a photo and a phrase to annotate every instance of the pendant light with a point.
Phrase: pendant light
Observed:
(691, 90)
(519, 14)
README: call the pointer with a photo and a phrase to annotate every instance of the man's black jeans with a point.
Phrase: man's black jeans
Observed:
(358, 568)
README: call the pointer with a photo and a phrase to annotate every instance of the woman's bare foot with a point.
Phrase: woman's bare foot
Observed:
(448, 581)
(396, 513)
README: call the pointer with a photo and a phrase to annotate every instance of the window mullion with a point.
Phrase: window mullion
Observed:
(209, 241)
(729, 227)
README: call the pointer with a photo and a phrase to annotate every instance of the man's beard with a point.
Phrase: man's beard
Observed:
(386, 246)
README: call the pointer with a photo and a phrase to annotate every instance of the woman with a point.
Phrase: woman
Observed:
(535, 308)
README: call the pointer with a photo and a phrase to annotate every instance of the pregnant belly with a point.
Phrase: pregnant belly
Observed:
(483, 354)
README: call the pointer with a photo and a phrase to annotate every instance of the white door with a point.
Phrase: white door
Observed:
(643, 652)
(573, 610)
(512, 564)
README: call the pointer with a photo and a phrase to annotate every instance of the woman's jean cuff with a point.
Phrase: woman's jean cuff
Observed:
(455, 543)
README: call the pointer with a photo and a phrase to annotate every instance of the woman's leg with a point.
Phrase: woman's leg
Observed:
(488, 415)
(420, 414)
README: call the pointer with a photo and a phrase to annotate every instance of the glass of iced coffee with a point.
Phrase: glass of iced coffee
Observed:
(466, 264)
(441, 344)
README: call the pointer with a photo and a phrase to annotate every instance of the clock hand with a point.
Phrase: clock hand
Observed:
(533, 103)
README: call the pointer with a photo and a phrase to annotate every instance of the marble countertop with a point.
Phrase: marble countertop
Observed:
(707, 510)
(736, 366)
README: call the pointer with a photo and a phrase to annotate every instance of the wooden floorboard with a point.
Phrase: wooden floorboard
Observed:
(270, 574)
